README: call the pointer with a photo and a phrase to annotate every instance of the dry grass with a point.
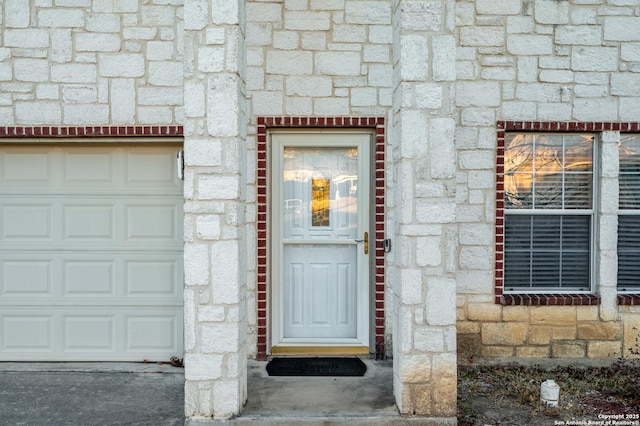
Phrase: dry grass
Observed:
(515, 389)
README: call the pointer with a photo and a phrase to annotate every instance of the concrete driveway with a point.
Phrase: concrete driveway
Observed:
(102, 394)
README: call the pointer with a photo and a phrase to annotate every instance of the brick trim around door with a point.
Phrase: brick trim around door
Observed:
(264, 125)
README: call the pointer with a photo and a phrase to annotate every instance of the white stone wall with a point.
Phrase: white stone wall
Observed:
(421, 275)
(542, 60)
(83, 62)
(344, 57)
(439, 71)
(215, 243)
(318, 57)
(314, 58)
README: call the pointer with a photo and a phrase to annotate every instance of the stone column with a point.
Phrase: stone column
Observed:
(607, 208)
(424, 166)
(215, 246)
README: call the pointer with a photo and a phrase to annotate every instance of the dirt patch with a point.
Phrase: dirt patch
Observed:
(510, 394)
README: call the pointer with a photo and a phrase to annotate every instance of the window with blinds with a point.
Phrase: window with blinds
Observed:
(629, 215)
(549, 213)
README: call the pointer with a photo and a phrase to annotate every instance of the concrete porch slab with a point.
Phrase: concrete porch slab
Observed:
(369, 395)
(366, 400)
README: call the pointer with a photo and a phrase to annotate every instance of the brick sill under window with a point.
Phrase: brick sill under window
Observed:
(548, 299)
(629, 299)
(562, 299)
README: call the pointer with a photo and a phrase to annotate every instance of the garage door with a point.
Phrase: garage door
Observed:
(90, 253)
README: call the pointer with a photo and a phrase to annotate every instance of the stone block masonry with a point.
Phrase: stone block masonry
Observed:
(438, 82)
(215, 313)
(90, 63)
(318, 60)
(538, 331)
(309, 59)
(544, 67)
(302, 76)
(423, 156)
(554, 325)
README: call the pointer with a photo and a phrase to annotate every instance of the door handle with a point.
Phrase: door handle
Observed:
(365, 240)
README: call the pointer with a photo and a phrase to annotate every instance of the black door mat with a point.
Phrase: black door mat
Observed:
(316, 367)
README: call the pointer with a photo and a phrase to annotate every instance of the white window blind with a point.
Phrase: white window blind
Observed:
(548, 220)
(629, 215)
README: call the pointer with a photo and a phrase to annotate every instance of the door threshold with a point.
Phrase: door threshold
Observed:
(320, 350)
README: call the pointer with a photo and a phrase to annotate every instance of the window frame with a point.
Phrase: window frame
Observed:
(590, 213)
(549, 299)
(625, 212)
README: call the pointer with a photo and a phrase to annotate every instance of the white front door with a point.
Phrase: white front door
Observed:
(321, 237)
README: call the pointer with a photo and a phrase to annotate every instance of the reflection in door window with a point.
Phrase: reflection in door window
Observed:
(320, 192)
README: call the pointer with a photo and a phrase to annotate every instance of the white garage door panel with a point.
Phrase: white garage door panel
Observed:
(111, 277)
(129, 334)
(27, 221)
(108, 221)
(69, 170)
(30, 332)
(153, 221)
(26, 277)
(90, 253)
